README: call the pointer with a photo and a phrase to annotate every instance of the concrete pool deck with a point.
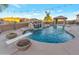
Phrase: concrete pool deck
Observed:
(39, 48)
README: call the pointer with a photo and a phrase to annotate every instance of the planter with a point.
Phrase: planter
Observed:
(11, 35)
(23, 44)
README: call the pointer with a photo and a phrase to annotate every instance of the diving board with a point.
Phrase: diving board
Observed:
(18, 38)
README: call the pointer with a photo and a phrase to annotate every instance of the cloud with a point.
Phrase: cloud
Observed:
(17, 5)
(76, 12)
(59, 10)
(35, 13)
(22, 15)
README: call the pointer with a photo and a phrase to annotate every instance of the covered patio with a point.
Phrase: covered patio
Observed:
(60, 20)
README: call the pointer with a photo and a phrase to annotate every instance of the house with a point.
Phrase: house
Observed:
(1, 21)
(24, 20)
(11, 19)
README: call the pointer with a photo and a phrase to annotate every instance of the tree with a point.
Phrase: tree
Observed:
(3, 7)
(47, 18)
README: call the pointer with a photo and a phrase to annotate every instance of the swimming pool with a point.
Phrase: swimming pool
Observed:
(51, 35)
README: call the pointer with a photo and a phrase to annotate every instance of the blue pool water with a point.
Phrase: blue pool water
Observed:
(50, 35)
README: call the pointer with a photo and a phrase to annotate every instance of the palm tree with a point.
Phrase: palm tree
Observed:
(3, 7)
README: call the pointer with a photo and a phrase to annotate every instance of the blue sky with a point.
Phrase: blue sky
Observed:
(38, 10)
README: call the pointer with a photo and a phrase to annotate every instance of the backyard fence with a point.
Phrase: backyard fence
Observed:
(12, 26)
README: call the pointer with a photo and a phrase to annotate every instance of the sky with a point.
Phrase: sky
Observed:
(38, 10)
